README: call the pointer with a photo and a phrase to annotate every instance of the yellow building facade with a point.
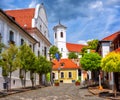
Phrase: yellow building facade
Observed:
(66, 71)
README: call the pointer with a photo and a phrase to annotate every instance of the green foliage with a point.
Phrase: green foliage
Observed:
(10, 60)
(48, 77)
(111, 62)
(72, 55)
(1, 46)
(91, 61)
(53, 50)
(44, 66)
(92, 44)
(27, 57)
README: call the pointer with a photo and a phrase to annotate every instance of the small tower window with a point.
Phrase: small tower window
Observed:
(55, 35)
(61, 34)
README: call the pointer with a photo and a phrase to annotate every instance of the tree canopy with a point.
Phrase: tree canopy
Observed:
(91, 61)
(72, 55)
(111, 62)
(92, 44)
(53, 50)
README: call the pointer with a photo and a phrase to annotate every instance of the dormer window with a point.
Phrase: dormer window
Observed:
(61, 34)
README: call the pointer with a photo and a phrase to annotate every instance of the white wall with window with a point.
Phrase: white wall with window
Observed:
(12, 32)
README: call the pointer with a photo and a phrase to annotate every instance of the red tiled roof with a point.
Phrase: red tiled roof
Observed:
(67, 64)
(111, 37)
(74, 47)
(22, 16)
(117, 50)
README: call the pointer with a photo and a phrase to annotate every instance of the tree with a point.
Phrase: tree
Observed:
(53, 50)
(32, 66)
(91, 61)
(27, 60)
(10, 61)
(92, 44)
(111, 63)
(44, 66)
(72, 55)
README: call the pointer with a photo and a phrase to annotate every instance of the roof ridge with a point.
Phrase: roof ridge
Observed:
(118, 32)
(20, 9)
(75, 43)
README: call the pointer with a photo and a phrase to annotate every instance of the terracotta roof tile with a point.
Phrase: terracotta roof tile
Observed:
(111, 37)
(22, 16)
(74, 47)
(67, 64)
(117, 50)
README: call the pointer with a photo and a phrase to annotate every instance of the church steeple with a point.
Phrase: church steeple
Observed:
(60, 38)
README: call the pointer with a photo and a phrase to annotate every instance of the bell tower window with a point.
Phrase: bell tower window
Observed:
(55, 35)
(61, 34)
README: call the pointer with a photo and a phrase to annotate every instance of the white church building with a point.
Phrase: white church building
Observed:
(60, 41)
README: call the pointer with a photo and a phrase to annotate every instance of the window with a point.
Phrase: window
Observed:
(40, 27)
(55, 35)
(11, 37)
(70, 74)
(30, 46)
(62, 75)
(38, 53)
(39, 44)
(62, 64)
(61, 34)
(22, 41)
(45, 51)
(61, 49)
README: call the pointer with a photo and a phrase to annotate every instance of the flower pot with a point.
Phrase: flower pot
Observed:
(77, 83)
(56, 84)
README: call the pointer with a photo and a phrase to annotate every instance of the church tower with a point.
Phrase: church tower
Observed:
(60, 38)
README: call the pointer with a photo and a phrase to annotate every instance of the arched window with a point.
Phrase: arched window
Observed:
(55, 35)
(11, 36)
(61, 34)
(22, 41)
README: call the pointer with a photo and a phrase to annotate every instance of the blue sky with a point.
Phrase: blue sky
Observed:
(84, 19)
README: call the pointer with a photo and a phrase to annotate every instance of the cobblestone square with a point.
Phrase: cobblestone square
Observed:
(62, 92)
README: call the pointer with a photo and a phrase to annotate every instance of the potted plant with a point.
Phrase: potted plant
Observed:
(56, 82)
(77, 82)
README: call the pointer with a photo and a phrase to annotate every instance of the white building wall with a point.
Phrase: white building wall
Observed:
(105, 48)
(5, 27)
(105, 51)
(60, 42)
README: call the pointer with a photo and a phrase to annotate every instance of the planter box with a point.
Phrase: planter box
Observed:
(56, 84)
(77, 83)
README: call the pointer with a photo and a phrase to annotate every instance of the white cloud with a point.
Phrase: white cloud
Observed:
(98, 5)
(84, 42)
(32, 4)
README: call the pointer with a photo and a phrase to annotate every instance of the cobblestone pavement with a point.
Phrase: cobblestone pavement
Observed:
(62, 92)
